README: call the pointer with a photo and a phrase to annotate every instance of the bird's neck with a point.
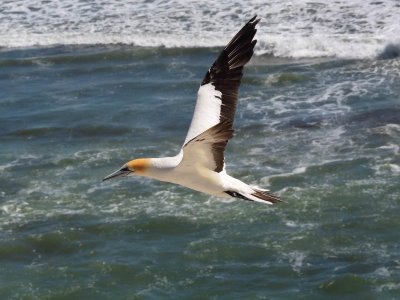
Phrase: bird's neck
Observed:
(161, 167)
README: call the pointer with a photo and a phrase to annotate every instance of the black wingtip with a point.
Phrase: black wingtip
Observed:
(254, 20)
(226, 72)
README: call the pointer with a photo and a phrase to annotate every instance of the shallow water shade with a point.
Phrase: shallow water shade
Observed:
(325, 137)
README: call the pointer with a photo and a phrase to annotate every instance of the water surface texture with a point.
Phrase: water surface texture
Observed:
(86, 86)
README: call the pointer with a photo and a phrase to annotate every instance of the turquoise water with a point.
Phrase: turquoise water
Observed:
(324, 134)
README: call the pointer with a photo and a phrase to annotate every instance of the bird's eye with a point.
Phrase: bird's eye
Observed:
(125, 169)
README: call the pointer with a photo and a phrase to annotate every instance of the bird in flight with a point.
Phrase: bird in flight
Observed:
(200, 164)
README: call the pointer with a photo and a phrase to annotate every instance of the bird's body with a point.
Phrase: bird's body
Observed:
(194, 176)
(200, 163)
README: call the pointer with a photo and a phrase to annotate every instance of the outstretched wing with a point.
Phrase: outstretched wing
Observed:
(207, 149)
(218, 93)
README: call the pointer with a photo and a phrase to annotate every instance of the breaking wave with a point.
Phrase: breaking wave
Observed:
(297, 29)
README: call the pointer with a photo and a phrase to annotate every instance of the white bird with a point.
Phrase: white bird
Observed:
(200, 163)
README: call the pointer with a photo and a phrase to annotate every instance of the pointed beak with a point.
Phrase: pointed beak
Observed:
(124, 171)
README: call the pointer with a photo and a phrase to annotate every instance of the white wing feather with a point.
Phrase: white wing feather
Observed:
(207, 111)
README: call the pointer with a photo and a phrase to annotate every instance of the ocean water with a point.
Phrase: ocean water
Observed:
(87, 85)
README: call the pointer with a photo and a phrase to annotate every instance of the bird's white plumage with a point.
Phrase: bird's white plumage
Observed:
(200, 163)
(206, 112)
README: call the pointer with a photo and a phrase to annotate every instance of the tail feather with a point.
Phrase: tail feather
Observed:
(259, 195)
(266, 196)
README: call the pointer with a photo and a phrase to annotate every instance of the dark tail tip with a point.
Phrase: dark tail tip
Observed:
(267, 196)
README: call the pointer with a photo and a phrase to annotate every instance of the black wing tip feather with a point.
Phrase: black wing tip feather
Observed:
(227, 71)
(254, 20)
(235, 54)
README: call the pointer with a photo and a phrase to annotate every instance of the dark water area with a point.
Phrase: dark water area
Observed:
(324, 134)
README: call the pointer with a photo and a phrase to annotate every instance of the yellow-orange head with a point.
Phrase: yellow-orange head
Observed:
(139, 165)
(136, 166)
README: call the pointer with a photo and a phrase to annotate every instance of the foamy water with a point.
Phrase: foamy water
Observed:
(345, 29)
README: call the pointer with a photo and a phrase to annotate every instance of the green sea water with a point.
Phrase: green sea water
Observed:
(324, 134)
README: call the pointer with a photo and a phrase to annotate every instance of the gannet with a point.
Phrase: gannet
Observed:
(200, 164)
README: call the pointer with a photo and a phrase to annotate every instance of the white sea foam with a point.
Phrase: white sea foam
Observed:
(384, 272)
(296, 29)
(389, 287)
(296, 259)
(299, 170)
(294, 224)
(392, 130)
(22, 160)
(391, 147)
(385, 168)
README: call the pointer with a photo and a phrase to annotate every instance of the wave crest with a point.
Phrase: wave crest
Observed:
(301, 29)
